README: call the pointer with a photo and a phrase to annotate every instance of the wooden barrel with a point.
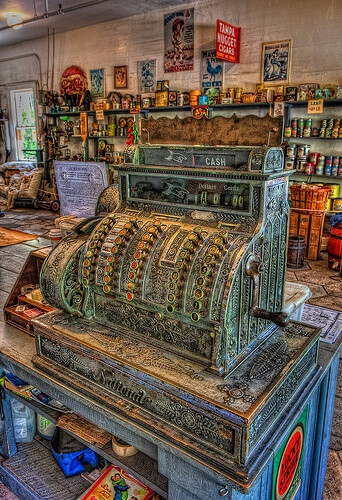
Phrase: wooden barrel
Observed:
(296, 251)
(335, 248)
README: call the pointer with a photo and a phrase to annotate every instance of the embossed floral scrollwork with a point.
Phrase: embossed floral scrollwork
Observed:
(236, 392)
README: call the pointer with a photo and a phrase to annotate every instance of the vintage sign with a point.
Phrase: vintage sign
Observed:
(179, 41)
(79, 186)
(83, 126)
(147, 80)
(315, 106)
(199, 112)
(97, 82)
(227, 42)
(99, 114)
(279, 109)
(287, 465)
(211, 70)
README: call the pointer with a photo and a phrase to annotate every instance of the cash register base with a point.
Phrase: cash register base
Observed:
(222, 422)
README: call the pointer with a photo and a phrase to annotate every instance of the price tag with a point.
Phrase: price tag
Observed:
(315, 106)
(99, 114)
(134, 111)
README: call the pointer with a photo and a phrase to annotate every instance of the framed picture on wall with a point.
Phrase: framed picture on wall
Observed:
(97, 82)
(276, 62)
(120, 77)
(147, 81)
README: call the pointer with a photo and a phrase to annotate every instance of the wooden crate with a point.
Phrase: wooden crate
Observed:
(308, 223)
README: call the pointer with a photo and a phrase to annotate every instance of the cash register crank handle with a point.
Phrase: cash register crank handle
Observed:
(253, 269)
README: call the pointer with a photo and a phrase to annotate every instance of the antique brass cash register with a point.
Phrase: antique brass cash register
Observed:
(171, 306)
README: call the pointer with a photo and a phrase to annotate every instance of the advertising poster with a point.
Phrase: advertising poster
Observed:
(179, 41)
(276, 59)
(227, 42)
(147, 81)
(211, 70)
(97, 82)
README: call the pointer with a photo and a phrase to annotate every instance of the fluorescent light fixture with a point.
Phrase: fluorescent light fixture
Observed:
(14, 19)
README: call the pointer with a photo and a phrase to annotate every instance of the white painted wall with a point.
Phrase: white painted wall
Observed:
(313, 25)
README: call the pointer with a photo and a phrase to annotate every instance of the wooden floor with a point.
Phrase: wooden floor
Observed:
(326, 287)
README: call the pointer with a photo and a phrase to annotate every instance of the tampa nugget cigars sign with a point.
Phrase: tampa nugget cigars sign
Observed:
(227, 42)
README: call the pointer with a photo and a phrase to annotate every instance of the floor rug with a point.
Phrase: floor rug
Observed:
(11, 237)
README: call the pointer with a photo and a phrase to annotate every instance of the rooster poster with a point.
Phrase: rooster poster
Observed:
(179, 41)
(211, 70)
(147, 75)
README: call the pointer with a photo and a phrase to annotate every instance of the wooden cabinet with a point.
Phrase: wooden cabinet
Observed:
(29, 276)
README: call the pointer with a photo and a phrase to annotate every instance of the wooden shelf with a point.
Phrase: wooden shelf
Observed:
(302, 104)
(314, 137)
(303, 174)
(33, 473)
(140, 465)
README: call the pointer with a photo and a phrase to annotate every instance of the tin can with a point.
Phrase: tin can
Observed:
(294, 123)
(334, 170)
(319, 169)
(330, 123)
(303, 150)
(222, 95)
(322, 132)
(300, 132)
(300, 122)
(337, 205)
(291, 151)
(165, 84)
(308, 122)
(329, 204)
(186, 98)
(321, 160)
(146, 103)
(327, 132)
(307, 132)
(231, 93)
(238, 93)
(314, 158)
(300, 165)
(229, 100)
(337, 122)
(334, 133)
(162, 98)
(309, 168)
(293, 132)
(203, 100)
(334, 190)
(324, 123)
(339, 172)
(287, 132)
(328, 161)
(290, 163)
(327, 169)
(335, 160)
(159, 85)
(194, 94)
(173, 97)
(315, 132)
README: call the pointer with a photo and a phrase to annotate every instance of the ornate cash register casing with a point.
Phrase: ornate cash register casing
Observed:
(170, 304)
